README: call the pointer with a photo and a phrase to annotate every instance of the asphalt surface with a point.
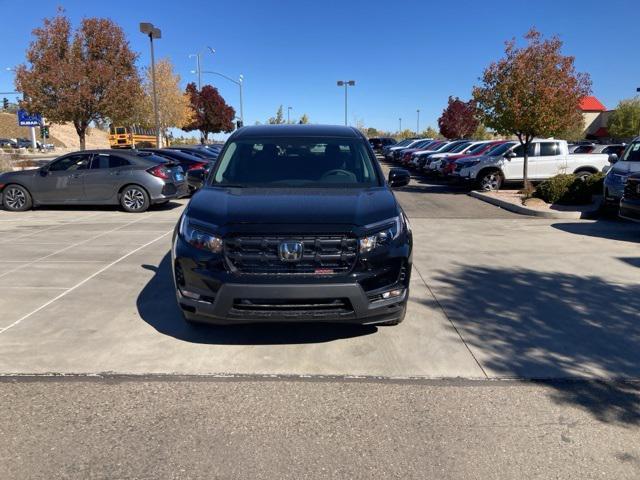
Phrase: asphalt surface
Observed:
(495, 296)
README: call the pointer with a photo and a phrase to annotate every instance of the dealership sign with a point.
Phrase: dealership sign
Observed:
(29, 119)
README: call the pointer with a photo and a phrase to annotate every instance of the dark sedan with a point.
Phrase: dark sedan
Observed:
(135, 180)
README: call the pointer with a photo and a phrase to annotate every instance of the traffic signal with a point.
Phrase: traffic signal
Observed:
(44, 131)
(5, 103)
(239, 124)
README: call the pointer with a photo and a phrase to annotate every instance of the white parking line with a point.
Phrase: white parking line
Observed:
(69, 247)
(79, 284)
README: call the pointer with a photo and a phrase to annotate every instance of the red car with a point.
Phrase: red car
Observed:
(449, 163)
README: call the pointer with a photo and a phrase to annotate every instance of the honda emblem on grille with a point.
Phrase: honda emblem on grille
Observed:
(290, 251)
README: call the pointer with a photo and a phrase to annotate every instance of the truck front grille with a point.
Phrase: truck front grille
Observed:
(308, 309)
(631, 189)
(322, 254)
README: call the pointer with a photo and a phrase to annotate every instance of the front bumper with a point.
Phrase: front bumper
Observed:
(250, 303)
(630, 209)
(207, 292)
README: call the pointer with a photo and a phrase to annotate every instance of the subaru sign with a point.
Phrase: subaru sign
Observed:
(29, 119)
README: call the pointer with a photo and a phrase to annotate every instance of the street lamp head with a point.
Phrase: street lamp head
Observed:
(212, 50)
(351, 83)
(146, 28)
(156, 33)
(193, 71)
(241, 78)
(340, 83)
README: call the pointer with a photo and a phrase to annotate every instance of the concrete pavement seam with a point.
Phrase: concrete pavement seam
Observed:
(444, 312)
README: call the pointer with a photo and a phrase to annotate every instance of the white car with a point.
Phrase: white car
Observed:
(437, 159)
(547, 158)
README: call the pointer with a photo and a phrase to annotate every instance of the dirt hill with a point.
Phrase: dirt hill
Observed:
(63, 136)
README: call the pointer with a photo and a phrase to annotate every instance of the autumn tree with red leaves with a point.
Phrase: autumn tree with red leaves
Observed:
(211, 114)
(459, 119)
(533, 91)
(81, 77)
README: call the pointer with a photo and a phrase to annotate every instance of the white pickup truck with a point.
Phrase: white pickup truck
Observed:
(546, 159)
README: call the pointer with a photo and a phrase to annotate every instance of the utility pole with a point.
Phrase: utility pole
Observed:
(288, 115)
(418, 123)
(153, 32)
(400, 122)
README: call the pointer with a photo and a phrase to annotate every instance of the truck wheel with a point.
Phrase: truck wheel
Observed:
(490, 181)
(16, 198)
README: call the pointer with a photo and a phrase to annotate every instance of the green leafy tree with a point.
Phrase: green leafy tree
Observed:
(406, 133)
(532, 91)
(430, 132)
(372, 132)
(624, 121)
(304, 119)
(482, 133)
(278, 119)
(84, 76)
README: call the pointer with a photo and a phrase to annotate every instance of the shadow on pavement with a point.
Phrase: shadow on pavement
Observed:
(531, 324)
(609, 229)
(104, 208)
(158, 307)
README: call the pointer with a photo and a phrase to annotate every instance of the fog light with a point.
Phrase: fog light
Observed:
(393, 293)
(188, 294)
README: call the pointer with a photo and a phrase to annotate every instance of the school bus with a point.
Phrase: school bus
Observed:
(131, 137)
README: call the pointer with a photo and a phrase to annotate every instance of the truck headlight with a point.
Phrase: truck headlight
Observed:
(199, 238)
(388, 231)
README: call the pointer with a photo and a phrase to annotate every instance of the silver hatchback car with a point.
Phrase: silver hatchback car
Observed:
(135, 180)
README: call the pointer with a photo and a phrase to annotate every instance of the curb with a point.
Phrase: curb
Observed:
(522, 210)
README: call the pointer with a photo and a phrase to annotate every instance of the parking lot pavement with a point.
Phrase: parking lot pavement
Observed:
(492, 295)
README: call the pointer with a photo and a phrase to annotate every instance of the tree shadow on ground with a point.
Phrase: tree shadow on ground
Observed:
(530, 324)
(610, 229)
(158, 307)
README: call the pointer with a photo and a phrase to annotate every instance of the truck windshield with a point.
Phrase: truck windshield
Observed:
(632, 153)
(296, 163)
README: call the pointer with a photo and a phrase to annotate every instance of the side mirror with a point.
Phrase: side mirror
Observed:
(195, 177)
(510, 154)
(613, 158)
(399, 177)
(44, 171)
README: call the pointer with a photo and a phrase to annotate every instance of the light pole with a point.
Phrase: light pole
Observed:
(238, 82)
(199, 72)
(346, 84)
(400, 122)
(153, 32)
(288, 114)
(418, 123)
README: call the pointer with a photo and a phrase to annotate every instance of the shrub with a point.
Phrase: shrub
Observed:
(554, 189)
(569, 189)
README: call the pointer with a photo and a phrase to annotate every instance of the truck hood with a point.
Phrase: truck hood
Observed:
(624, 168)
(227, 206)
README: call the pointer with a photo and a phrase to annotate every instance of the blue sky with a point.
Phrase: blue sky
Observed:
(404, 55)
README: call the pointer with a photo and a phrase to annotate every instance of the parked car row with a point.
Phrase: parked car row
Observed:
(488, 164)
(133, 179)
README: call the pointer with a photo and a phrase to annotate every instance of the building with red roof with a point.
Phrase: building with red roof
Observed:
(595, 116)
